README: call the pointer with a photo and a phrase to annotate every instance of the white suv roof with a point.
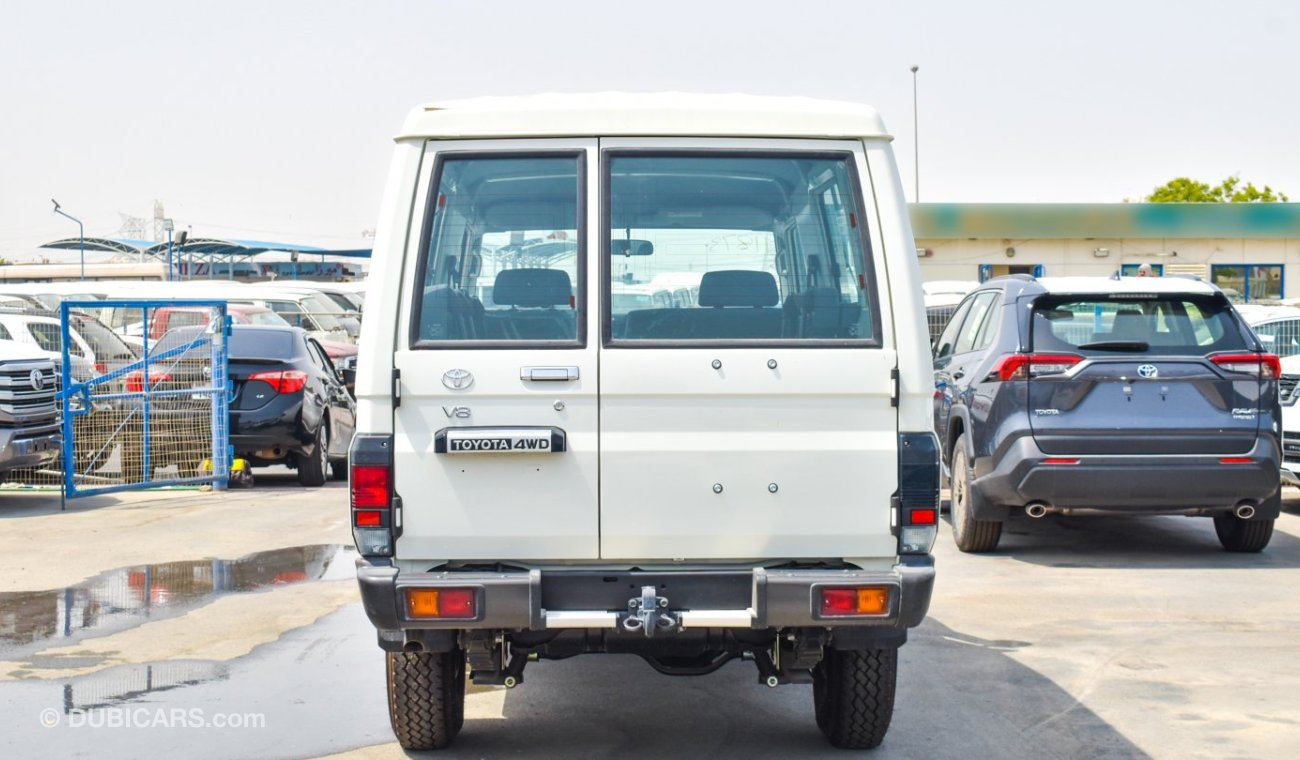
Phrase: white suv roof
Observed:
(1091, 285)
(642, 114)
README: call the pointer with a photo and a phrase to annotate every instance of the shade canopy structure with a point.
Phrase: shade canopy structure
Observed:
(226, 257)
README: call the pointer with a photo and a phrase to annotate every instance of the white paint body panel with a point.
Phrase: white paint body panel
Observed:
(529, 506)
(651, 430)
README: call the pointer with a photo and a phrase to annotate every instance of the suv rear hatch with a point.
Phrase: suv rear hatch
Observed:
(1179, 368)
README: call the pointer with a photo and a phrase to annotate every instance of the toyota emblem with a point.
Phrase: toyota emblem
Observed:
(457, 379)
(1148, 371)
(37, 379)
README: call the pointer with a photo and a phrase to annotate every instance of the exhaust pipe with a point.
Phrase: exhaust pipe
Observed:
(1036, 510)
(1244, 511)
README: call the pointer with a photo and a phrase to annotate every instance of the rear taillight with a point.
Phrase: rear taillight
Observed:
(371, 486)
(376, 509)
(135, 380)
(1025, 366)
(1266, 366)
(444, 603)
(918, 492)
(286, 381)
(854, 601)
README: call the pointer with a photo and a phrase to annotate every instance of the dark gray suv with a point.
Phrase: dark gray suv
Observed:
(1094, 395)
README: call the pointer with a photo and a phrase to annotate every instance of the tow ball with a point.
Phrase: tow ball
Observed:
(649, 613)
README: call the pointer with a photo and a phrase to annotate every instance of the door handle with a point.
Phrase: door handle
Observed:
(548, 374)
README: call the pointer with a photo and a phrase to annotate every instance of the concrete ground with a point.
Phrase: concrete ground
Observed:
(227, 625)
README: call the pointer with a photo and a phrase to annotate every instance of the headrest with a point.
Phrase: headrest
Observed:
(738, 287)
(532, 287)
(1130, 325)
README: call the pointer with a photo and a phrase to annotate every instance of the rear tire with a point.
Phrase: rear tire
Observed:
(971, 535)
(313, 467)
(426, 697)
(1238, 535)
(853, 696)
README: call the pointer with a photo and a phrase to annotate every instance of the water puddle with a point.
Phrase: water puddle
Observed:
(120, 599)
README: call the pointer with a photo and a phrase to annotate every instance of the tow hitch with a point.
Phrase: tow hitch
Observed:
(648, 613)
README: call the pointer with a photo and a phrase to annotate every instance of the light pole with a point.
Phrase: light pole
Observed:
(916, 143)
(82, 233)
(169, 225)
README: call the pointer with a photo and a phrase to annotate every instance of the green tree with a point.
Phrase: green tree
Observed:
(1230, 190)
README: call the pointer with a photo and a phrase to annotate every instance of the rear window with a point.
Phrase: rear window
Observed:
(268, 318)
(767, 247)
(103, 341)
(502, 261)
(244, 344)
(1168, 325)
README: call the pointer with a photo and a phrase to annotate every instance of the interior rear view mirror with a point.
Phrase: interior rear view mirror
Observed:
(631, 248)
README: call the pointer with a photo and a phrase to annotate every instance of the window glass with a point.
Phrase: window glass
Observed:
(322, 358)
(4, 333)
(311, 353)
(50, 338)
(948, 338)
(103, 341)
(265, 318)
(1158, 325)
(502, 259)
(1249, 282)
(736, 247)
(1281, 337)
(979, 313)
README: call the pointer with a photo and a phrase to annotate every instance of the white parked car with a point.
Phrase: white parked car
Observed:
(1278, 327)
(546, 473)
(1288, 385)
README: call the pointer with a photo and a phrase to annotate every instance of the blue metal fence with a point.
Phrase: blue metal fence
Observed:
(161, 419)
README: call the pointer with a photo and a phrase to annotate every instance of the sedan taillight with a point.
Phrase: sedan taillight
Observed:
(282, 381)
(135, 380)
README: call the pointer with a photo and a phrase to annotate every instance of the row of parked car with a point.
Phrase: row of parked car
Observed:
(1121, 396)
(292, 356)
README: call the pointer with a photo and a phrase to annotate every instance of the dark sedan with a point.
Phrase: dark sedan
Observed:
(288, 404)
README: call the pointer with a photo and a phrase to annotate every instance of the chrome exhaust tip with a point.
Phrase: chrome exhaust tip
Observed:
(1036, 510)
(1244, 511)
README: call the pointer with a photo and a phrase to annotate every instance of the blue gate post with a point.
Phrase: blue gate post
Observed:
(221, 402)
(65, 403)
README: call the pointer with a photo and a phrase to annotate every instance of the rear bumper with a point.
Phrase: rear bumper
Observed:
(560, 598)
(1134, 484)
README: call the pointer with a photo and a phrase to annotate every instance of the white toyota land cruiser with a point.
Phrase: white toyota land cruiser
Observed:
(743, 469)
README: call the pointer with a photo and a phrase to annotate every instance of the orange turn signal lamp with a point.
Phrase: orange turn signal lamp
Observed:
(441, 604)
(860, 600)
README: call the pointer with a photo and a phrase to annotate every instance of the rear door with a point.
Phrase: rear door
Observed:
(496, 427)
(757, 421)
(1145, 364)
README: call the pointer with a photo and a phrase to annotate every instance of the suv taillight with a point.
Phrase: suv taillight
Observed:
(1266, 366)
(1025, 366)
(918, 492)
(376, 516)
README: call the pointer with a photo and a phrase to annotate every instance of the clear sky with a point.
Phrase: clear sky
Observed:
(272, 119)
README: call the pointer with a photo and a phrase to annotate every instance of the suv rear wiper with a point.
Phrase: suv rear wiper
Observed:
(1116, 345)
